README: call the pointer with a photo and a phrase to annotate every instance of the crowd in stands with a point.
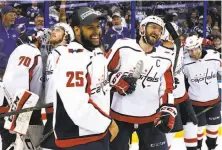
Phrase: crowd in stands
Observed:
(30, 17)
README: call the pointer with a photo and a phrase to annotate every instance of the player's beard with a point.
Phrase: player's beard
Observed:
(88, 44)
(150, 39)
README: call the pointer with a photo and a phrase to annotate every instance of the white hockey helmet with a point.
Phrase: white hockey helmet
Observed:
(151, 19)
(192, 42)
(68, 30)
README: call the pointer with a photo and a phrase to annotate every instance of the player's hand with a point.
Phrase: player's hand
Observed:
(124, 85)
(165, 118)
(113, 129)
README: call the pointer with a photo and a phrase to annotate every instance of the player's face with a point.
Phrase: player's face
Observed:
(195, 53)
(92, 33)
(57, 35)
(153, 33)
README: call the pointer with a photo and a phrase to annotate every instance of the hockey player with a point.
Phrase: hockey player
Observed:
(201, 68)
(146, 105)
(61, 35)
(186, 118)
(23, 72)
(82, 100)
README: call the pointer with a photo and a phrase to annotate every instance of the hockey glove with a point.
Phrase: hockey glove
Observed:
(165, 118)
(124, 85)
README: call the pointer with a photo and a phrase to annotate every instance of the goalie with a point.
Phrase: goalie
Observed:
(22, 82)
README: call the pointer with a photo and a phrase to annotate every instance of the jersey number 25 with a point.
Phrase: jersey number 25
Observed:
(77, 77)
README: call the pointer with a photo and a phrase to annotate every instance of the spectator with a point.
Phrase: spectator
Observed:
(192, 20)
(8, 36)
(128, 18)
(217, 42)
(199, 28)
(117, 31)
(20, 21)
(215, 30)
(175, 20)
(32, 12)
(39, 24)
(216, 17)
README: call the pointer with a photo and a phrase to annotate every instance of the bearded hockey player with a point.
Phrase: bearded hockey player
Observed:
(201, 68)
(61, 35)
(186, 118)
(23, 72)
(145, 104)
(81, 97)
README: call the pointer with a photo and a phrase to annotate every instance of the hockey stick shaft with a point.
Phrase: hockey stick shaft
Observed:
(207, 109)
(46, 136)
(177, 41)
(26, 110)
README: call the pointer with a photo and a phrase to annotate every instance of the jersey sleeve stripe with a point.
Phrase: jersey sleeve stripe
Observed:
(97, 107)
(169, 86)
(114, 61)
(32, 69)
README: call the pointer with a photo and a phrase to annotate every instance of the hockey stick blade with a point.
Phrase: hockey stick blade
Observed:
(25, 110)
(138, 69)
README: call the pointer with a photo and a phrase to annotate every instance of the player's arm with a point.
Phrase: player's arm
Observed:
(123, 85)
(167, 112)
(73, 90)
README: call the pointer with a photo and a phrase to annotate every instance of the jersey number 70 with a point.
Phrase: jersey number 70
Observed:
(77, 77)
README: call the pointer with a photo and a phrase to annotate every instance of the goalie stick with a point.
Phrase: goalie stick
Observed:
(26, 110)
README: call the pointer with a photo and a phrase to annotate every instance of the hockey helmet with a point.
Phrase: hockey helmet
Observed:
(192, 42)
(150, 19)
(68, 30)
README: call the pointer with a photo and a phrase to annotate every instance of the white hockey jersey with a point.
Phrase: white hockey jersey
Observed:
(82, 103)
(180, 94)
(202, 78)
(52, 61)
(24, 70)
(154, 87)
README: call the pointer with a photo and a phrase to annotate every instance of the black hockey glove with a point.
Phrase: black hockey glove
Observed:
(124, 85)
(165, 118)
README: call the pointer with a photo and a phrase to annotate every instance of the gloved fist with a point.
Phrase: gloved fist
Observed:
(165, 118)
(124, 85)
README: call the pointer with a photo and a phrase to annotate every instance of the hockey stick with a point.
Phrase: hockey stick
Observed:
(26, 110)
(44, 138)
(207, 109)
(177, 41)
